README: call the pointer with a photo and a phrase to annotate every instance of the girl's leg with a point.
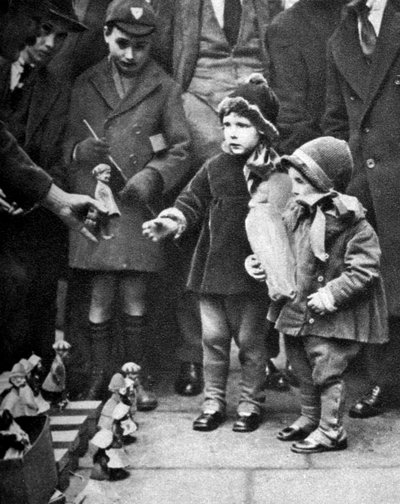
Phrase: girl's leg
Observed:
(100, 314)
(330, 359)
(216, 352)
(309, 391)
(247, 318)
(136, 332)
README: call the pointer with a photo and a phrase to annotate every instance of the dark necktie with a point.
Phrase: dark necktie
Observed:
(232, 16)
(368, 36)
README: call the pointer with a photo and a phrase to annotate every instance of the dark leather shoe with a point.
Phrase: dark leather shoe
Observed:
(370, 405)
(208, 421)
(315, 447)
(190, 379)
(246, 423)
(293, 433)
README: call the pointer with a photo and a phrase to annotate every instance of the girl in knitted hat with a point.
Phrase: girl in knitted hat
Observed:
(339, 302)
(232, 304)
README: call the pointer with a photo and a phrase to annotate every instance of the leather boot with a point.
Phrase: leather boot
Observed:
(136, 334)
(99, 334)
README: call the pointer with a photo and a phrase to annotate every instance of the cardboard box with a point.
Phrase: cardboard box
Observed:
(31, 479)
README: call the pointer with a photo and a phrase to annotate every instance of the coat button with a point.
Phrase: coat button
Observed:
(370, 163)
(366, 130)
(397, 80)
(320, 278)
(352, 98)
(311, 321)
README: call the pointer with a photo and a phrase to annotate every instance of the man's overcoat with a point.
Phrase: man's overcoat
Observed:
(296, 43)
(363, 106)
(135, 127)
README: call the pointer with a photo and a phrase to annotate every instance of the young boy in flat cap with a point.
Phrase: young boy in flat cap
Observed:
(339, 302)
(136, 112)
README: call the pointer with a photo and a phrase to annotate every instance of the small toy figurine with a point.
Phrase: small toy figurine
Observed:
(131, 372)
(107, 464)
(19, 399)
(123, 426)
(54, 384)
(117, 387)
(32, 388)
(14, 442)
(104, 194)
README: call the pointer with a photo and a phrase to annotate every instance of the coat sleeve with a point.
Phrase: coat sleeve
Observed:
(362, 263)
(173, 164)
(335, 121)
(162, 48)
(195, 199)
(290, 81)
(21, 180)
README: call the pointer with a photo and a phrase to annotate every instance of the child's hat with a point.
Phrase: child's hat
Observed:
(256, 101)
(326, 162)
(117, 382)
(120, 411)
(28, 366)
(102, 439)
(131, 367)
(135, 17)
(61, 345)
(18, 370)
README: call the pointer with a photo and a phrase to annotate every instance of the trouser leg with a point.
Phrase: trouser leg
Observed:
(309, 391)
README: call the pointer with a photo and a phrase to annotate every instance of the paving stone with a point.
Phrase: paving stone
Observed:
(338, 486)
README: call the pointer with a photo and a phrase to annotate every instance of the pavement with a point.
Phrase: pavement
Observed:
(172, 464)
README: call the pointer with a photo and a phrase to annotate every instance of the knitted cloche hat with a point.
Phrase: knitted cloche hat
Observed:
(325, 162)
(18, 370)
(61, 345)
(256, 101)
(117, 382)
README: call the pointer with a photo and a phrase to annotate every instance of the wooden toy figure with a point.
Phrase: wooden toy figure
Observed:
(117, 387)
(131, 372)
(14, 442)
(54, 385)
(103, 193)
(107, 464)
(33, 386)
(19, 400)
(123, 427)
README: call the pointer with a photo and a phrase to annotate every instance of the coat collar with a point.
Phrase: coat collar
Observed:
(386, 51)
(347, 54)
(102, 80)
(45, 93)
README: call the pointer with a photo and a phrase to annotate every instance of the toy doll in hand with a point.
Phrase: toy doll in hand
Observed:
(54, 385)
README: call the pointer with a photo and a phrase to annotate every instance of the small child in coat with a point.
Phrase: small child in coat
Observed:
(232, 305)
(340, 302)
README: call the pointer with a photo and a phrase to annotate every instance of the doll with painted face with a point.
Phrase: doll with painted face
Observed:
(54, 385)
(107, 465)
(19, 400)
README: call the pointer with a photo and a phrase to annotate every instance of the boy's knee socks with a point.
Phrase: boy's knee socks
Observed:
(135, 333)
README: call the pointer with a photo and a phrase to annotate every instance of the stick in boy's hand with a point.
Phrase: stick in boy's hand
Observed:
(160, 228)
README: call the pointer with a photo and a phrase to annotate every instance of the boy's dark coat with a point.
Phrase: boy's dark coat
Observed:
(366, 111)
(152, 107)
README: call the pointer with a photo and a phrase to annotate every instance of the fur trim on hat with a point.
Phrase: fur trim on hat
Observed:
(244, 108)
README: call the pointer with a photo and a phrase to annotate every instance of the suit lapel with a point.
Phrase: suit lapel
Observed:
(348, 56)
(148, 81)
(43, 96)
(103, 82)
(387, 49)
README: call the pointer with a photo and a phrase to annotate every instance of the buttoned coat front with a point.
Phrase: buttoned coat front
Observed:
(363, 106)
(178, 34)
(150, 111)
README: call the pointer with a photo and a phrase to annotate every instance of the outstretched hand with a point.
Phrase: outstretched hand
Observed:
(160, 228)
(72, 209)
